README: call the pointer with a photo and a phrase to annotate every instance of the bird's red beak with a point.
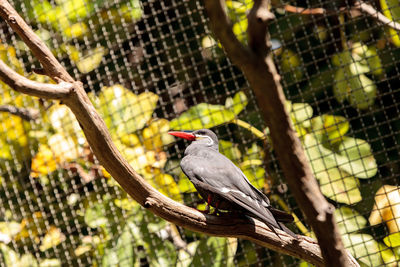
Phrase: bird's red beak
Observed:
(187, 136)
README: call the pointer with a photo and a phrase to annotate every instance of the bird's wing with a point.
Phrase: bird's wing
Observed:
(219, 174)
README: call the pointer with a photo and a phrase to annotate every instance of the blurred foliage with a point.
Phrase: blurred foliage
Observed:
(343, 79)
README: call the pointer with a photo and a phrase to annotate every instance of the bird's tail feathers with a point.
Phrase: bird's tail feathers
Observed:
(281, 216)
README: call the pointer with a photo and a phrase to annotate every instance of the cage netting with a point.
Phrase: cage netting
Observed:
(153, 66)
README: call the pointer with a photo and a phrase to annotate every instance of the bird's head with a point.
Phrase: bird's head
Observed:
(204, 136)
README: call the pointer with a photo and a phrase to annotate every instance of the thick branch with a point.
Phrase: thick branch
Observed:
(74, 96)
(265, 82)
(27, 114)
(52, 67)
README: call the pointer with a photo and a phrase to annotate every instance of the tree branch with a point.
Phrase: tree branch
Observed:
(264, 79)
(74, 96)
(52, 67)
(358, 6)
(27, 114)
(26, 86)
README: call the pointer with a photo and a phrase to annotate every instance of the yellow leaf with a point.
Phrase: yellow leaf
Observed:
(156, 135)
(92, 60)
(44, 162)
(387, 208)
(53, 237)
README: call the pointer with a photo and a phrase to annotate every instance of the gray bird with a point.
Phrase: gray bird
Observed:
(222, 184)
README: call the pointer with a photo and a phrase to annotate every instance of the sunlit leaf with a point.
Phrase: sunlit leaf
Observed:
(80, 250)
(364, 248)
(95, 215)
(290, 63)
(166, 184)
(340, 87)
(359, 159)
(387, 208)
(392, 240)
(368, 57)
(184, 258)
(185, 185)
(202, 116)
(256, 175)
(50, 263)
(8, 230)
(126, 203)
(123, 253)
(156, 135)
(388, 256)
(230, 150)
(75, 9)
(52, 238)
(300, 112)
(391, 10)
(349, 220)
(339, 186)
(44, 162)
(123, 111)
(335, 183)
(237, 103)
(92, 60)
(210, 252)
(77, 30)
(330, 127)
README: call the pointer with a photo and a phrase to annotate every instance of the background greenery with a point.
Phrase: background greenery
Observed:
(152, 66)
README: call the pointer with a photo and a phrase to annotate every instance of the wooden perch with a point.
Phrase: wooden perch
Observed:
(71, 93)
(258, 66)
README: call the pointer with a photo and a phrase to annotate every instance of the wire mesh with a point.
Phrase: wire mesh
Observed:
(152, 66)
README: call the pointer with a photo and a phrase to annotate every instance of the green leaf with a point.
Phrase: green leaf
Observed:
(123, 111)
(392, 240)
(230, 150)
(92, 60)
(349, 220)
(184, 258)
(340, 87)
(364, 248)
(256, 175)
(301, 112)
(330, 127)
(391, 10)
(367, 56)
(211, 252)
(202, 116)
(357, 159)
(363, 92)
(237, 103)
(339, 186)
(335, 183)
(185, 185)
(95, 215)
(122, 254)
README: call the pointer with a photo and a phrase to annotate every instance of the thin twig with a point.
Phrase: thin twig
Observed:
(304, 11)
(358, 6)
(370, 10)
(28, 114)
(74, 96)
